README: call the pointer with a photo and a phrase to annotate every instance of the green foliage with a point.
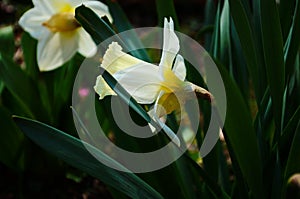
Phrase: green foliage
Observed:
(75, 153)
(255, 45)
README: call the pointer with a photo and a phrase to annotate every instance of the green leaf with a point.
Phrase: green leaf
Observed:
(120, 19)
(245, 33)
(286, 11)
(166, 8)
(7, 41)
(122, 24)
(241, 136)
(20, 85)
(216, 34)
(29, 46)
(240, 70)
(292, 44)
(225, 40)
(100, 31)
(95, 26)
(273, 54)
(289, 132)
(293, 163)
(211, 184)
(209, 18)
(11, 142)
(74, 152)
(1, 87)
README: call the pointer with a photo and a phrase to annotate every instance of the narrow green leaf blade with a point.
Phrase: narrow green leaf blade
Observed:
(293, 163)
(273, 54)
(95, 26)
(19, 84)
(166, 8)
(7, 41)
(240, 133)
(292, 43)
(286, 11)
(74, 152)
(122, 24)
(245, 33)
(209, 18)
(29, 46)
(11, 142)
(225, 40)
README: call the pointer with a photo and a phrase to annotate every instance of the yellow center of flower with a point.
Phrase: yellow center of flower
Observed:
(174, 93)
(62, 22)
(169, 103)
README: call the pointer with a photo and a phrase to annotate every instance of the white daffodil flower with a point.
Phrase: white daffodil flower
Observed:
(59, 35)
(147, 83)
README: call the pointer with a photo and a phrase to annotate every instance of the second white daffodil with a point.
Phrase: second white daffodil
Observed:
(147, 83)
(59, 35)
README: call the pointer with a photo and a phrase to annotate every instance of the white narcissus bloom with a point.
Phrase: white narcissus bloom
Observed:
(147, 83)
(59, 35)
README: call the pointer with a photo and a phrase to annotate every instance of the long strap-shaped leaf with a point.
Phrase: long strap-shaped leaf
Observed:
(95, 26)
(241, 136)
(273, 54)
(245, 31)
(122, 23)
(74, 152)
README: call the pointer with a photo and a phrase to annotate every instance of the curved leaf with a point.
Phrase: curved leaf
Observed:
(241, 135)
(74, 152)
(273, 54)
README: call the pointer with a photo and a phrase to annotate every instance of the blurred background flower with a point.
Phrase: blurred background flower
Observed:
(58, 33)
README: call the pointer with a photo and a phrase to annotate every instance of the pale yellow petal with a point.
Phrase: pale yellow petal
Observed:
(171, 82)
(115, 59)
(102, 88)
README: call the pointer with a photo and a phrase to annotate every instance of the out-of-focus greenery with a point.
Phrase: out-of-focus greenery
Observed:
(256, 47)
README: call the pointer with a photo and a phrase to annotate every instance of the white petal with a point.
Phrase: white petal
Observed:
(115, 59)
(75, 3)
(142, 81)
(179, 68)
(99, 8)
(102, 88)
(55, 49)
(31, 21)
(46, 6)
(86, 45)
(152, 128)
(170, 45)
